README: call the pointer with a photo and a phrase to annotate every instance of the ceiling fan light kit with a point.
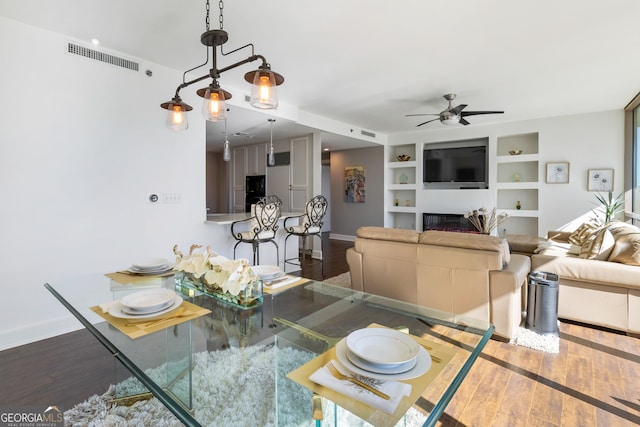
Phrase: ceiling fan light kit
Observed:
(264, 81)
(453, 115)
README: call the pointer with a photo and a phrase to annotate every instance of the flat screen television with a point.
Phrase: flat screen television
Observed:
(457, 166)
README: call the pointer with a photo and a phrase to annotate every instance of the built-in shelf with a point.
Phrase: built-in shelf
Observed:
(518, 178)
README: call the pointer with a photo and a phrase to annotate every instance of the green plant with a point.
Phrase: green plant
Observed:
(610, 206)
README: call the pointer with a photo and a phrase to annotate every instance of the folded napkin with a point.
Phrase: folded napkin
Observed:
(106, 306)
(281, 282)
(394, 389)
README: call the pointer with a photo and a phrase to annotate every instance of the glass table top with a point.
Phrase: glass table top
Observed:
(253, 365)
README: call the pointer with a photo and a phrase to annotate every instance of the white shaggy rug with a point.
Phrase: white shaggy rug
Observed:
(527, 338)
(235, 387)
(343, 280)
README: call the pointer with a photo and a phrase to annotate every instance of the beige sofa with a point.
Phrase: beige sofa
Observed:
(461, 273)
(599, 274)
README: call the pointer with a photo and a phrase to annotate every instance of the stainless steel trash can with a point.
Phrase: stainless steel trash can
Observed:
(542, 303)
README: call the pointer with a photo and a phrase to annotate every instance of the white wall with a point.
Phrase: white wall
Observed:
(82, 145)
(588, 141)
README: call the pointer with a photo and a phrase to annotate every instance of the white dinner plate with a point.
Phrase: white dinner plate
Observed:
(397, 369)
(138, 312)
(150, 272)
(266, 272)
(382, 347)
(423, 364)
(150, 264)
(116, 310)
(148, 300)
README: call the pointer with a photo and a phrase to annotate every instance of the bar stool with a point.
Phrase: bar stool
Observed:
(263, 225)
(309, 225)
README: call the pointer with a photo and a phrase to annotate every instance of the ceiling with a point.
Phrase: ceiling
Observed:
(365, 64)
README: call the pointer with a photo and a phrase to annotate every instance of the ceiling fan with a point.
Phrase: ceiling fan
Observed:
(453, 115)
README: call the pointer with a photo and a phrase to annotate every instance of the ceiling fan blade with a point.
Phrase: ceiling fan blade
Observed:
(475, 113)
(428, 121)
(457, 109)
(413, 115)
(464, 122)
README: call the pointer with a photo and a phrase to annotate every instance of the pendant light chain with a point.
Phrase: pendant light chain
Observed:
(206, 19)
(221, 19)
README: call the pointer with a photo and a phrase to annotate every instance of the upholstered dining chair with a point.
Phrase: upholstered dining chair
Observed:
(272, 198)
(263, 225)
(306, 225)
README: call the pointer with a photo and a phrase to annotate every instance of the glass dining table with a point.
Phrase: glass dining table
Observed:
(251, 366)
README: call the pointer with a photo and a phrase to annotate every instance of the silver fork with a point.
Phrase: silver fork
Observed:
(339, 375)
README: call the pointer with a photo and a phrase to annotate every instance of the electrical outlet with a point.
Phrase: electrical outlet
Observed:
(171, 198)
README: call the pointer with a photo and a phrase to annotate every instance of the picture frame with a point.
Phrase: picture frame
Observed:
(600, 180)
(557, 173)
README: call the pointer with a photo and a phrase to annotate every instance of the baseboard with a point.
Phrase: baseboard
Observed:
(38, 331)
(344, 237)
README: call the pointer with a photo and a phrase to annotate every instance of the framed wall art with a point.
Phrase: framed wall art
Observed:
(354, 184)
(558, 173)
(600, 180)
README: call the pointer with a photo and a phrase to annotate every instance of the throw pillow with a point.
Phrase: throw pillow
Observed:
(598, 245)
(627, 250)
(582, 233)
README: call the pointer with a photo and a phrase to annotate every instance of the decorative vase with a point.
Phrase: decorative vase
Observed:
(250, 296)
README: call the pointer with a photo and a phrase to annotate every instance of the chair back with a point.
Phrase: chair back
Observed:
(272, 198)
(266, 217)
(315, 210)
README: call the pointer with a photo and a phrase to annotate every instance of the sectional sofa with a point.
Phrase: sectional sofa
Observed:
(466, 274)
(599, 273)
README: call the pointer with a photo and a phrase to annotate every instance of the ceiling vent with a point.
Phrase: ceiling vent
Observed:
(102, 57)
(367, 133)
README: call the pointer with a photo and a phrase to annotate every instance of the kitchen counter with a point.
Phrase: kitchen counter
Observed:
(222, 242)
(228, 218)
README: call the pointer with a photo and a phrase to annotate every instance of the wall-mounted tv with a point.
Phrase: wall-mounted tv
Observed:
(456, 165)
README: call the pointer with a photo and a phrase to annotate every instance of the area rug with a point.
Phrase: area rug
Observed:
(527, 338)
(343, 280)
(236, 388)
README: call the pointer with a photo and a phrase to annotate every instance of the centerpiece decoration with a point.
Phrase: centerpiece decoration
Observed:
(484, 220)
(206, 272)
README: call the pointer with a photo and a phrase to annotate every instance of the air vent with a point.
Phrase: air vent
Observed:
(102, 57)
(367, 133)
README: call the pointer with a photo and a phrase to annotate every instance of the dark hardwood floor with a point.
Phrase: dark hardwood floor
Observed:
(593, 381)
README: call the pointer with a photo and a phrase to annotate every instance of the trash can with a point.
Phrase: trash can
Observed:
(542, 303)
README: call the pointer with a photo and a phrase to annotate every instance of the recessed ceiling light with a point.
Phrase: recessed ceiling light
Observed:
(326, 149)
(95, 42)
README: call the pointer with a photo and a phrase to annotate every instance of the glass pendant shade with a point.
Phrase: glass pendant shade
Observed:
(226, 153)
(177, 119)
(214, 107)
(263, 92)
(271, 159)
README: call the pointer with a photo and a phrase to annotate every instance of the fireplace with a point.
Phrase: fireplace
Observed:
(447, 222)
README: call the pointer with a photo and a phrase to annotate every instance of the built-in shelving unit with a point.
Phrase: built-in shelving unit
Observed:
(401, 186)
(518, 183)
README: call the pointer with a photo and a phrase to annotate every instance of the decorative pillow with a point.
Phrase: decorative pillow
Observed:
(619, 228)
(626, 250)
(598, 245)
(582, 233)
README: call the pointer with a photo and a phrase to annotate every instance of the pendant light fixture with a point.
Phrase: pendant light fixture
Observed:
(264, 81)
(271, 159)
(226, 153)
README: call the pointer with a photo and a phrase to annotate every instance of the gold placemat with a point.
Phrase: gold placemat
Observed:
(266, 290)
(138, 330)
(372, 415)
(127, 278)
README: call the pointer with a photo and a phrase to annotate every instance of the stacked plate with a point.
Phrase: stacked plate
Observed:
(149, 303)
(383, 354)
(150, 266)
(268, 272)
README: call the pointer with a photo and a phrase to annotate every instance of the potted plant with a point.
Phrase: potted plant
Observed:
(610, 206)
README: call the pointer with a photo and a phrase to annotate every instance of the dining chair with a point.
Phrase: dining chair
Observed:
(263, 225)
(306, 225)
